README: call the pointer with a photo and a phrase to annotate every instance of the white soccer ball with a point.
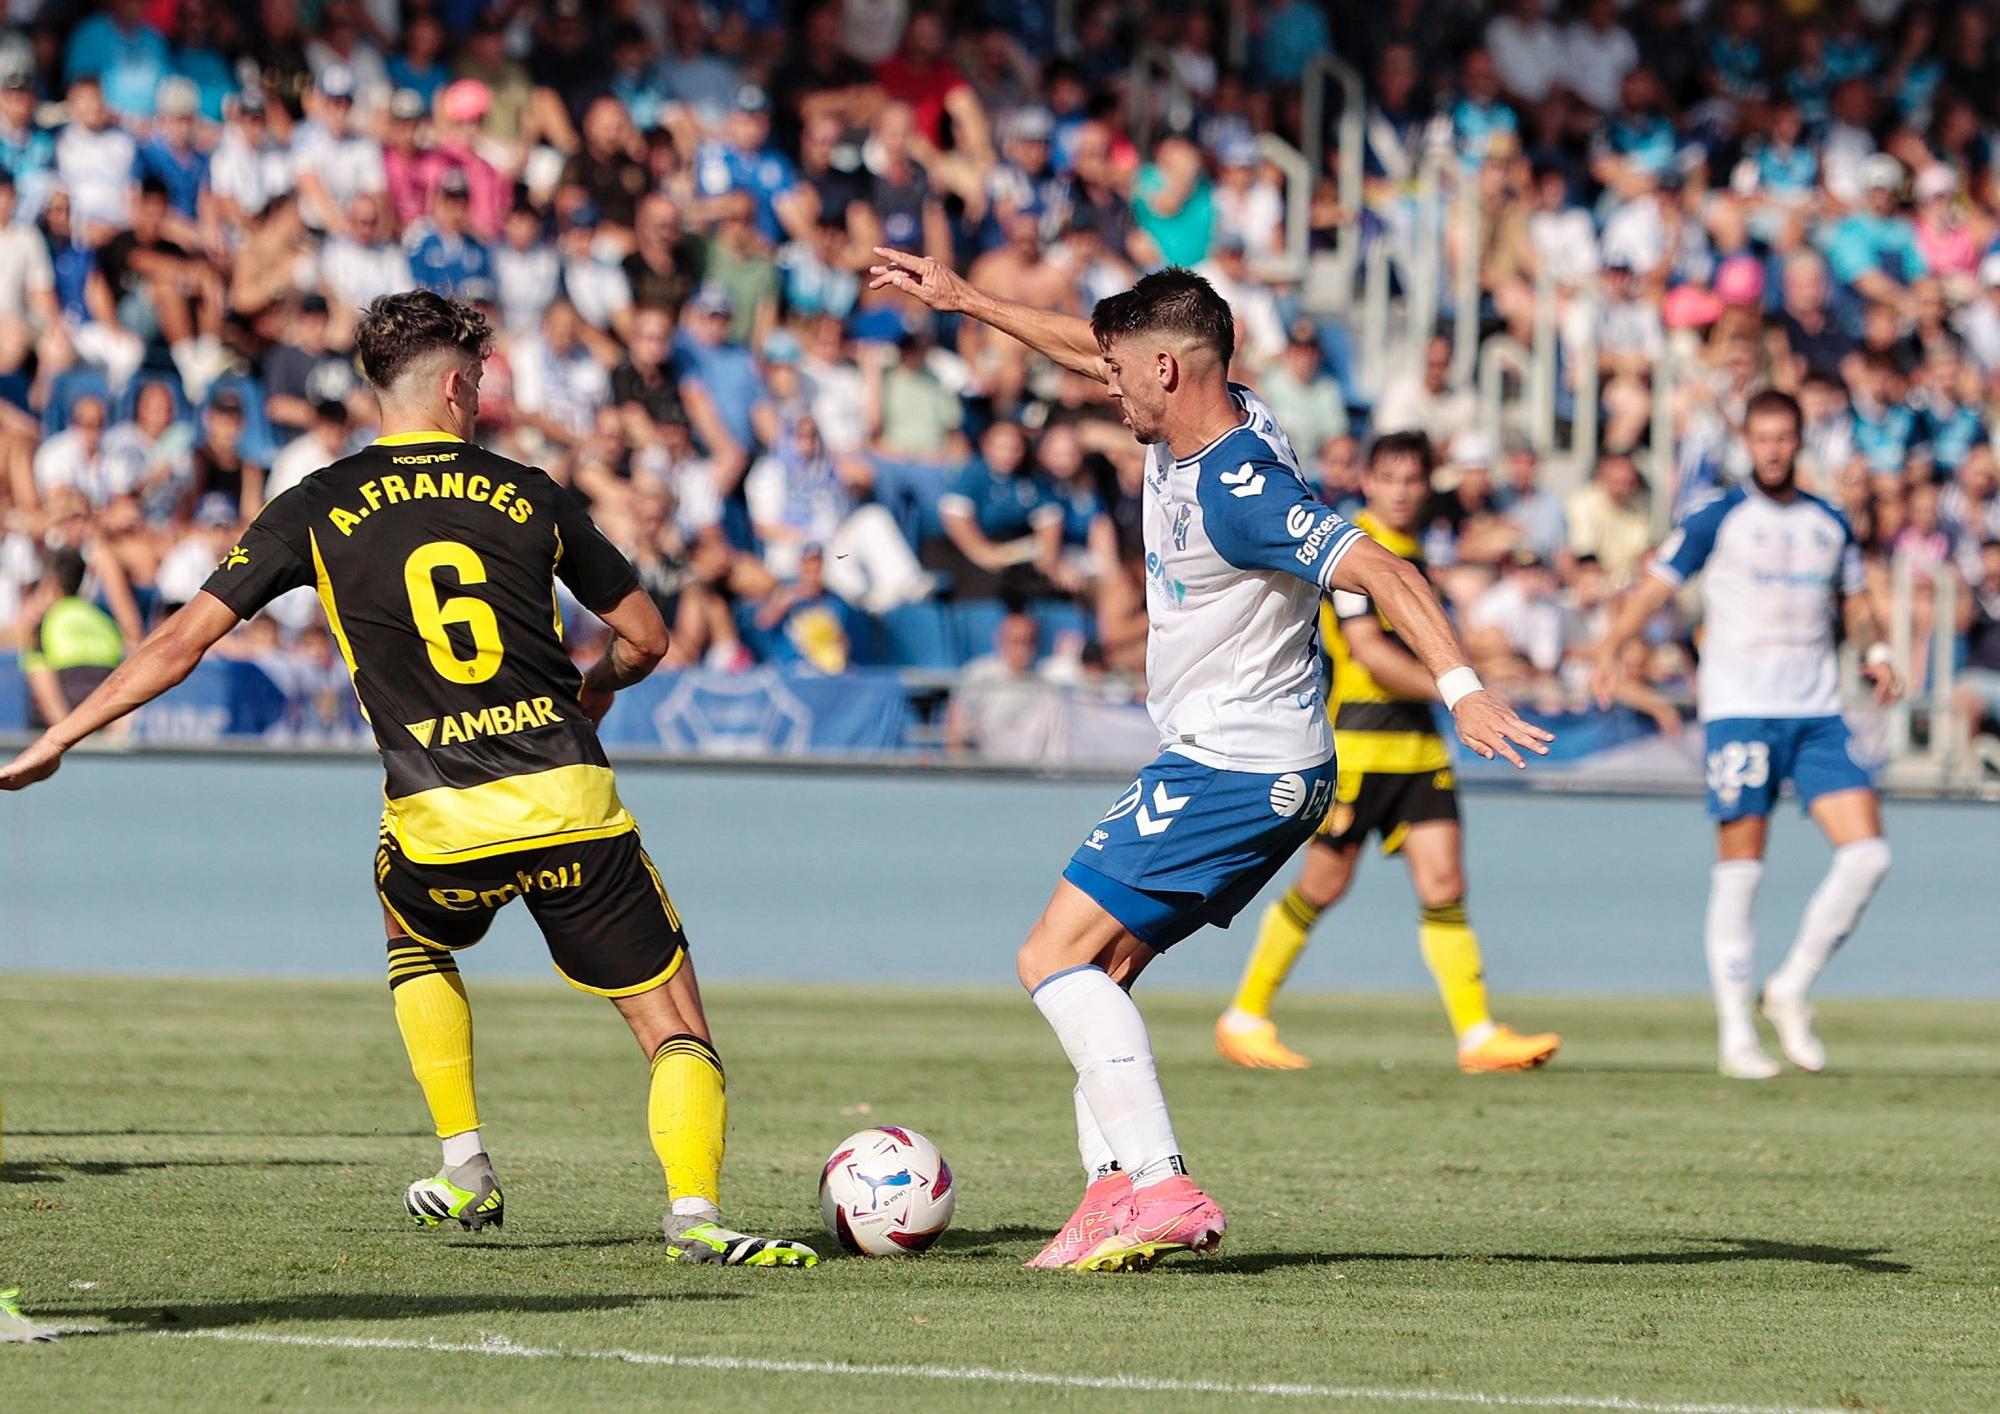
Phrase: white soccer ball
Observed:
(886, 1192)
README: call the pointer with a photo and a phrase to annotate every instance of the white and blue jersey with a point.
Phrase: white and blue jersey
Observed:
(1238, 552)
(1768, 689)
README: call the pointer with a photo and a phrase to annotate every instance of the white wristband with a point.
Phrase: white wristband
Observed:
(1456, 685)
(1879, 655)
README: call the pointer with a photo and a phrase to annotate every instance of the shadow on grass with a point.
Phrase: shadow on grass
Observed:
(480, 1242)
(58, 1170)
(987, 1241)
(1724, 1249)
(357, 1306)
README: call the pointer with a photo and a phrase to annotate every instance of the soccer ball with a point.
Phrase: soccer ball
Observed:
(886, 1192)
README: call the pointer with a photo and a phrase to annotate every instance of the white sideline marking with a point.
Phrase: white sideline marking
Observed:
(974, 1374)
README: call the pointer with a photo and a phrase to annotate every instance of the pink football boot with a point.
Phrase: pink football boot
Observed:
(1166, 1217)
(1105, 1203)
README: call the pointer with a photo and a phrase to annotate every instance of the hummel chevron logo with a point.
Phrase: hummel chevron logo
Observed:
(1244, 481)
(1166, 805)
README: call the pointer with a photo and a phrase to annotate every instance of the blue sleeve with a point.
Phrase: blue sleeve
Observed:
(1688, 548)
(1848, 253)
(1260, 516)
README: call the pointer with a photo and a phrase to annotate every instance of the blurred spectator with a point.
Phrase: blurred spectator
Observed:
(1423, 400)
(1607, 518)
(1308, 402)
(69, 646)
(919, 418)
(220, 467)
(321, 444)
(1977, 696)
(1003, 708)
(809, 623)
(801, 498)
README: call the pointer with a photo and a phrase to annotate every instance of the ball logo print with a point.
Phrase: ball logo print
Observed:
(886, 1192)
(1288, 794)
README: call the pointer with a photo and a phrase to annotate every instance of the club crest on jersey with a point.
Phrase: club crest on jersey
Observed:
(235, 559)
(1183, 518)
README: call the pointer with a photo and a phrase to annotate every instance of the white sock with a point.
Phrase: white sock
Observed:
(1091, 1145)
(1832, 913)
(696, 1210)
(459, 1148)
(1732, 947)
(1105, 1038)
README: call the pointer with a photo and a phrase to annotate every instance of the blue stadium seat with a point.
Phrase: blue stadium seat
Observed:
(974, 623)
(128, 400)
(1058, 616)
(260, 441)
(64, 390)
(919, 636)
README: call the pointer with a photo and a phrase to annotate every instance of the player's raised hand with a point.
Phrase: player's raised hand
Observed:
(931, 281)
(37, 763)
(1491, 728)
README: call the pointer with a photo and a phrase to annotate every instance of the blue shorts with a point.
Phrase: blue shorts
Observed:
(1187, 845)
(1750, 757)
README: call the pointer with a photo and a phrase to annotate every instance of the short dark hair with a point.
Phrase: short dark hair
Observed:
(1772, 400)
(1403, 444)
(1170, 301)
(67, 569)
(398, 330)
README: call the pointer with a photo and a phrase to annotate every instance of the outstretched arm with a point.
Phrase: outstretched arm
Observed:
(1647, 598)
(1062, 338)
(162, 661)
(1485, 724)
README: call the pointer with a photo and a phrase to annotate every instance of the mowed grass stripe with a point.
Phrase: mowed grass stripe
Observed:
(230, 1156)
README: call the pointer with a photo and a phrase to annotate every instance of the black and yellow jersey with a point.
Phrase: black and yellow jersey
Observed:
(1376, 731)
(436, 562)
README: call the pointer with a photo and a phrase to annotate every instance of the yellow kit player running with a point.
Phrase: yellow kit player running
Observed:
(1395, 780)
(436, 563)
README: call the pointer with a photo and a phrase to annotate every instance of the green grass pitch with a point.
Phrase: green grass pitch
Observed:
(202, 1167)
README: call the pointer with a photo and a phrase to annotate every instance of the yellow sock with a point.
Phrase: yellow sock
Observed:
(436, 1022)
(1451, 951)
(688, 1115)
(1281, 937)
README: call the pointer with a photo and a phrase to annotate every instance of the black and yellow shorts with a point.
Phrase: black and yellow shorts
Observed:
(610, 927)
(1387, 803)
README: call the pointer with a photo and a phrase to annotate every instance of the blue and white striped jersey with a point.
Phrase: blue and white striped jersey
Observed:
(1238, 551)
(1773, 573)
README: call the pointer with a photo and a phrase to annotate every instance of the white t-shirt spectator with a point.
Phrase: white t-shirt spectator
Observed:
(252, 177)
(597, 287)
(1843, 156)
(347, 166)
(295, 461)
(24, 269)
(1595, 63)
(527, 280)
(837, 393)
(1533, 628)
(64, 461)
(355, 273)
(1528, 57)
(1566, 244)
(1636, 236)
(1256, 308)
(96, 170)
(568, 389)
(1257, 214)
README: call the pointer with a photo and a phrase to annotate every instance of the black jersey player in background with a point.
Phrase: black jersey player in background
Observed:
(436, 562)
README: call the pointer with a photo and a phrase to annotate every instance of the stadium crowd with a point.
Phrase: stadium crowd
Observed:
(667, 210)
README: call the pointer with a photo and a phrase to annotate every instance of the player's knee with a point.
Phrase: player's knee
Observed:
(1443, 887)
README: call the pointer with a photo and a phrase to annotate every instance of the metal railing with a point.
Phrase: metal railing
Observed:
(1939, 760)
(1291, 266)
(1325, 69)
(1153, 65)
